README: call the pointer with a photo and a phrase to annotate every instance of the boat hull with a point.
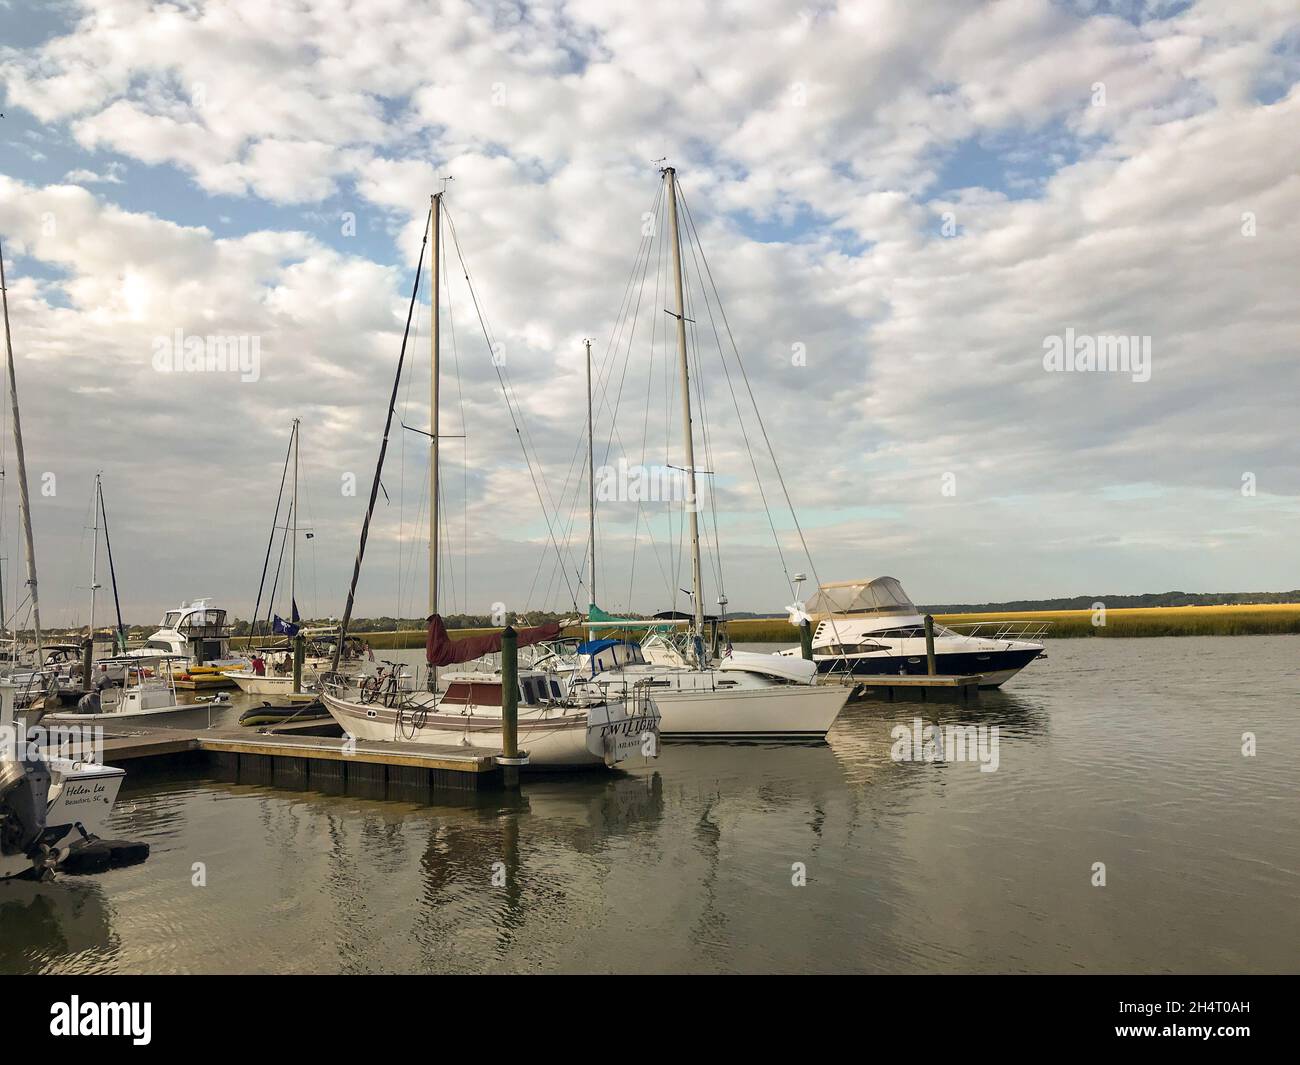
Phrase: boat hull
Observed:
(86, 796)
(253, 684)
(554, 741)
(994, 667)
(774, 712)
(184, 716)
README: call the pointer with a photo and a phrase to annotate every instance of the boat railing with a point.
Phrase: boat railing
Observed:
(1003, 629)
(640, 699)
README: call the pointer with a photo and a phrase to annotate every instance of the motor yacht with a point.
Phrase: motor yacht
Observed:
(871, 628)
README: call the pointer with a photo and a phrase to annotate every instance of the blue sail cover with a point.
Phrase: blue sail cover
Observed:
(594, 647)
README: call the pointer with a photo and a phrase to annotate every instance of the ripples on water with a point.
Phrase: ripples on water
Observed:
(1126, 752)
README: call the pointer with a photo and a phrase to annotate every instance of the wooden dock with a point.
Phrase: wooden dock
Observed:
(291, 756)
(911, 687)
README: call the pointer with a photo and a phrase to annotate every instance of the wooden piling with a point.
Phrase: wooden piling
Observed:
(299, 653)
(805, 639)
(931, 665)
(510, 707)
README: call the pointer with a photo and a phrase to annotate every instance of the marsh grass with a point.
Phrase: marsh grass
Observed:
(1236, 620)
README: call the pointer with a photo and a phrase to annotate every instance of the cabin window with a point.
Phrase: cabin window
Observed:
(555, 689)
(529, 693)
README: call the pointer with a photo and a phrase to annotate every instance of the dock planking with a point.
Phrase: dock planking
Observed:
(294, 758)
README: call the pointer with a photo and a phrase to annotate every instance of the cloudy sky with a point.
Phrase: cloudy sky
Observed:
(900, 204)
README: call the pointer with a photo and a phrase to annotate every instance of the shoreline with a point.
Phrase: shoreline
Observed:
(1269, 619)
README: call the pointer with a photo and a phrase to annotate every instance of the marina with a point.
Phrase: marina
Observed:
(913, 867)
(610, 490)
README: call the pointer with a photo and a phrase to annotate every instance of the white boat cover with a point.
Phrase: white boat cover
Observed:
(883, 595)
(796, 670)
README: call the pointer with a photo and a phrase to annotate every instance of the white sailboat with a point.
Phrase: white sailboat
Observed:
(738, 695)
(268, 669)
(560, 727)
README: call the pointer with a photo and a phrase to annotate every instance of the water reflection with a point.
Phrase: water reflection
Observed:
(686, 864)
(43, 922)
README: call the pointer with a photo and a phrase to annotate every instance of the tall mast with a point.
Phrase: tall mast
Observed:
(94, 559)
(293, 521)
(379, 463)
(24, 506)
(435, 271)
(591, 491)
(697, 584)
(434, 299)
(119, 641)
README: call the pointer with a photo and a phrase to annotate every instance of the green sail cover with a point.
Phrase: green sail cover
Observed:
(594, 613)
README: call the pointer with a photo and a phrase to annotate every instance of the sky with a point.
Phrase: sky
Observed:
(908, 211)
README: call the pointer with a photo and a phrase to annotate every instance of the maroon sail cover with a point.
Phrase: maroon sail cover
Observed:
(441, 650)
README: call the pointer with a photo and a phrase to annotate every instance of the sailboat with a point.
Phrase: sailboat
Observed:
(47, 804)
(60, 680)
(268, 667)
(560, 727)
(739, 695)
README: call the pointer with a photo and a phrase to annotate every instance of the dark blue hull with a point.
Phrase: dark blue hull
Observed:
(962, 664)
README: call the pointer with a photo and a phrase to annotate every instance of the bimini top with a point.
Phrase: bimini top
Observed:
(884, 595)
(594, 647)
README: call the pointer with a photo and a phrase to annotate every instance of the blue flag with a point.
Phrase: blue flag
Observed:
(284, 628)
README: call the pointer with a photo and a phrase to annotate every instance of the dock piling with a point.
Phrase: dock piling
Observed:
(299, 653)
(805, 639)
(510, 757)
(931, 666)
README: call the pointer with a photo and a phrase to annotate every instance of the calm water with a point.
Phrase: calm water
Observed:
(1126, 752)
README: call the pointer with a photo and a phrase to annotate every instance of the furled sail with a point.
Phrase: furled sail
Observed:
(441, 650)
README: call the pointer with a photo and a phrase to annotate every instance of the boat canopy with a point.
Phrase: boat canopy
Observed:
(594, 647)
(883, 595)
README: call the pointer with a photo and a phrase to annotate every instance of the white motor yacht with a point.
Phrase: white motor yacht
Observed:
(871, 628)
(196, 632)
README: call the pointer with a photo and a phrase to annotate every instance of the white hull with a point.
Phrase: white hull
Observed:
(778, 711)
(554, 739)
(252, 684)
(81, 793)
(86, 796)
(187, 716)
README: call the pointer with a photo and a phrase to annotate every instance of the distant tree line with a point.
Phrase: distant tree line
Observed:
(1148, 599)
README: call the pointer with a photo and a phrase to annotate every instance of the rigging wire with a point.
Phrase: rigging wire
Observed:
(275, 521)
(379, 464)
(514, 408)
(757, 415)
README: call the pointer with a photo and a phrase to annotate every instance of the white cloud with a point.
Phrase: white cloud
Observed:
(832, 128)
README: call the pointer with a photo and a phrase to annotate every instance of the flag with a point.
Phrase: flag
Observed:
(285, 628)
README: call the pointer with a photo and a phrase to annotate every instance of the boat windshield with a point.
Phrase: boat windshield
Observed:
(169, 619)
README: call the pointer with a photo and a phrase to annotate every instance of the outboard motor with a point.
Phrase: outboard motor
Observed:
(24, 800)
(42, 807)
